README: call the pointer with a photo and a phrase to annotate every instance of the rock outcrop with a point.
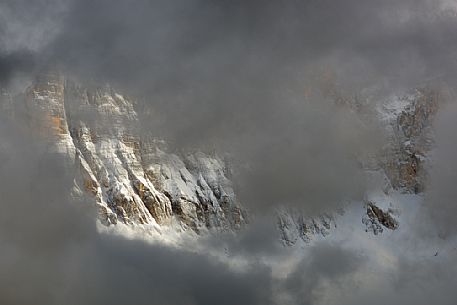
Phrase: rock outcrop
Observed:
(295, 227)
(409, 121)
(377, 219)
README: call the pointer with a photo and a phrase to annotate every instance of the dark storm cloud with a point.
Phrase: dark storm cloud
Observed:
(12, 63)
(199, 47)
(326, 262)
(25, 28)
(145, 41)
(257, 241)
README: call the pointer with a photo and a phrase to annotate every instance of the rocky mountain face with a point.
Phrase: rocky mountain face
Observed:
(401, 166)
(131, 177)
(409, 119)
(404, 161)
(134, 179)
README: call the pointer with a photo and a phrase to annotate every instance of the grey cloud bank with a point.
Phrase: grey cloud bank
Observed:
(250, 78)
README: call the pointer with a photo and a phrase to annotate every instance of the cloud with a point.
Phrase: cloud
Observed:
(440, 201)
(412, 282)
(276, 85)
(325, 263)
(13, 63)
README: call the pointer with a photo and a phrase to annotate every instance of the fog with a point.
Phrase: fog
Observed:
(286, 89)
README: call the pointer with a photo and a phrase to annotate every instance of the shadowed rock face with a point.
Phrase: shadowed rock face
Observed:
(132, 178)
(379, 219)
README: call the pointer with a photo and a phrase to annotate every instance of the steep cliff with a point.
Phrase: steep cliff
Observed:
(131, 177)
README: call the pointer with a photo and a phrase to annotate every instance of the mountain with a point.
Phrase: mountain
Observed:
(130, 177)
(135, 179)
